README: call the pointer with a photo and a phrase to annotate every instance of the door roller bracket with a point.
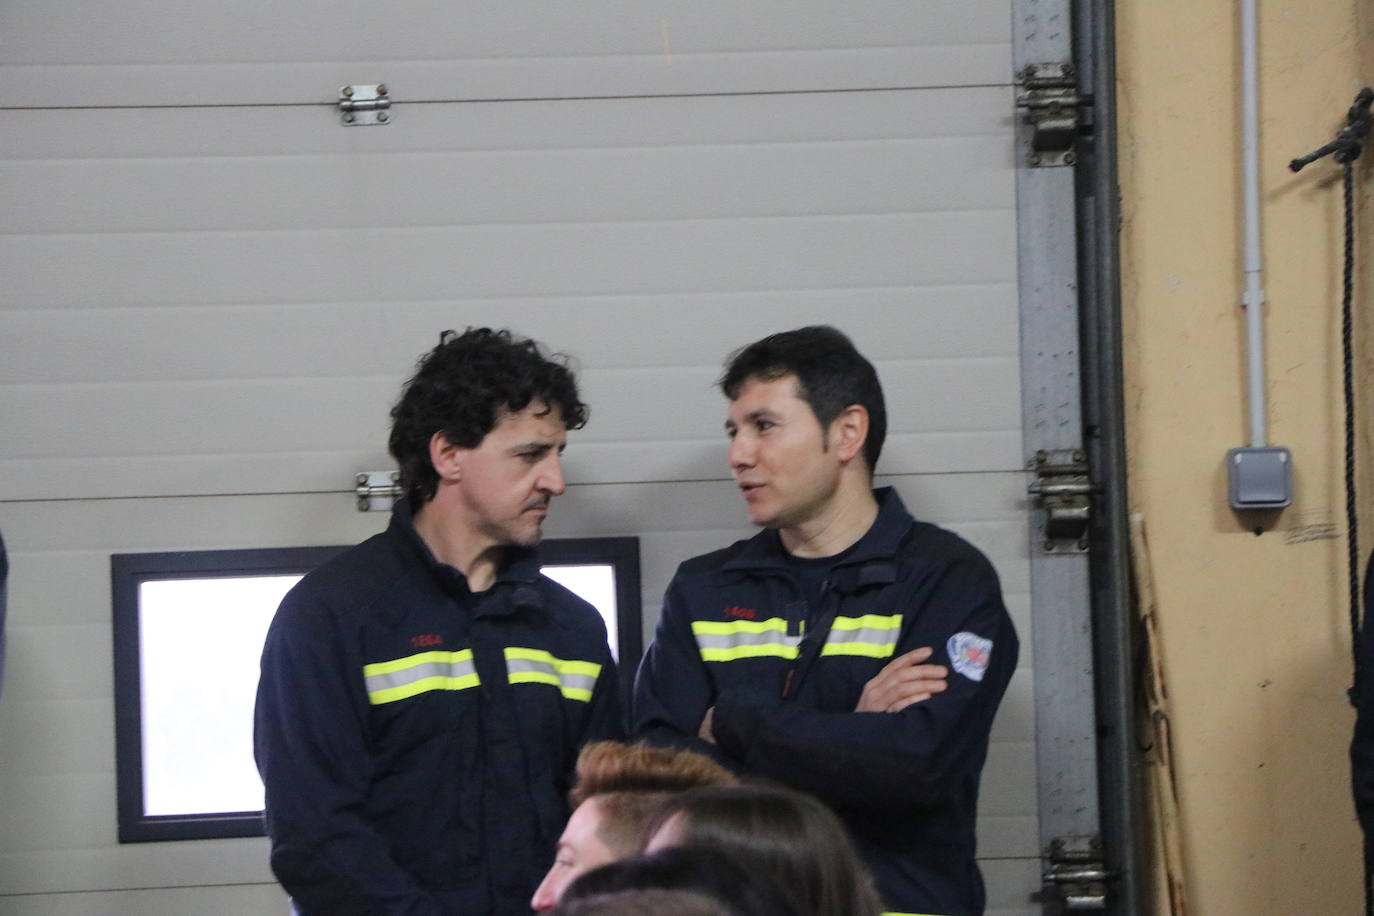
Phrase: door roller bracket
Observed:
(1052, 105)
(1064, 492)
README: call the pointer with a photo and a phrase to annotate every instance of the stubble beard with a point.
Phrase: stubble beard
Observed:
(514, 534)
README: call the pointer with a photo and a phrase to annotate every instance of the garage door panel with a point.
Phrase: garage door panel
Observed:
(266, 898)
(978, 114)
(1016, 720)
(263, 305)
(261, 437)
(1004, 837)
(893, 323)
(58, 728)
(1008, 781)
(204, 53)
(643, 75)
(500, 188)
(126, 476)
(633, 406)
(71, 532)
(81, 649)
(1011, 882)
(756, 254)
(92, 862)
(196, 32)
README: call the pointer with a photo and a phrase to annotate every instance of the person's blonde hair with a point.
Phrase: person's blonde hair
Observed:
(611, 766)
(631, 781)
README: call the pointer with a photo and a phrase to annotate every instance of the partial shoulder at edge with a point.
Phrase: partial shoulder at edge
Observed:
(353, 578)
(929, 543)
(569, 606)
(710, 562)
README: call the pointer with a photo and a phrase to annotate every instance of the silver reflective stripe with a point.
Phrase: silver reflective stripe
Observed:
(729, 640)
(395, 680)
(575, 679)
(872, 635)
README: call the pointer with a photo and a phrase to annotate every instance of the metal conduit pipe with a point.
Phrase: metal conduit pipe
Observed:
(1253, 255)
(1259, 476)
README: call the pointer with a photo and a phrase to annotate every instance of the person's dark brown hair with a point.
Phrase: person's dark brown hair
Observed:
(832, 375)
(786, 834)
(463, 387)
(638, 902)
(743, 890)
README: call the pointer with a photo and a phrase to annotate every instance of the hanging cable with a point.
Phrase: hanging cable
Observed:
(1345, 149)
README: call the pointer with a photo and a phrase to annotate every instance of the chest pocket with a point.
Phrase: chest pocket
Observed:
(731, 640)
(574, 679)
(870, 636)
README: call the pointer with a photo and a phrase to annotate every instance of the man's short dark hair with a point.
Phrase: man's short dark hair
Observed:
(463, 387)
(831, 377)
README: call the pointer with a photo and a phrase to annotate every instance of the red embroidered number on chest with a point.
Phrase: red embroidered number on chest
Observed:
(747, 613)
(425, 640)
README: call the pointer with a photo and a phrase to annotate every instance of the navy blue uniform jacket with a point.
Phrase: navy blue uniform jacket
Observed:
(1362, 747)
(905, 783)
(416, 740)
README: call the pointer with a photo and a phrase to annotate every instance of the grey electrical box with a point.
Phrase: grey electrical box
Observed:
(1260, 477)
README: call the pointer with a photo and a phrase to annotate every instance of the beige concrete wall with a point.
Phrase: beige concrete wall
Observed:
(1254, 628)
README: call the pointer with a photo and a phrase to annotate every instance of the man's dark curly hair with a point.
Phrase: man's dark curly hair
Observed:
(831, 376)
(463, 387)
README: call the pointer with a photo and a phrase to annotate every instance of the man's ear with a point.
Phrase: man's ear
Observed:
(849, 432)
(445, 456)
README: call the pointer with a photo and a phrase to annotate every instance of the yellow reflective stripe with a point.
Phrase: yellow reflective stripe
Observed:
(871, 636)
(410, 661)
(870, 622)
(728, 627)
(575, 679)
(392, 694)
(885, 913)
(751, 651)
(564, 666)
(535, 677)
(400, 678)
(866, 649)
(729, 640)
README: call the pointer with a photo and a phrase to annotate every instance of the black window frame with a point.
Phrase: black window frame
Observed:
(129, 571)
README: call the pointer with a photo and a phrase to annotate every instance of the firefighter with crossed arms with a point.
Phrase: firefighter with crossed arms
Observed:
(847, 650)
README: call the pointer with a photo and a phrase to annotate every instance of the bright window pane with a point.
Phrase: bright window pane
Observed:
(200, 641)
(596, 585)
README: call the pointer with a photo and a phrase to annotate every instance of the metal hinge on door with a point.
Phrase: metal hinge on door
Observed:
(1065, 494)
(1052, 102)
(377, 491)
(364, 106)
(1076, 879)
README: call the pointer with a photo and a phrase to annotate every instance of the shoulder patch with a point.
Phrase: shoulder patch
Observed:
(969, 653)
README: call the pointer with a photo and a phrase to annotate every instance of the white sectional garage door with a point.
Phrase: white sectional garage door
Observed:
(213, 290)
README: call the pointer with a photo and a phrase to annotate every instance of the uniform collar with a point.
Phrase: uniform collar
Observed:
(871, 562)
(519, 565)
